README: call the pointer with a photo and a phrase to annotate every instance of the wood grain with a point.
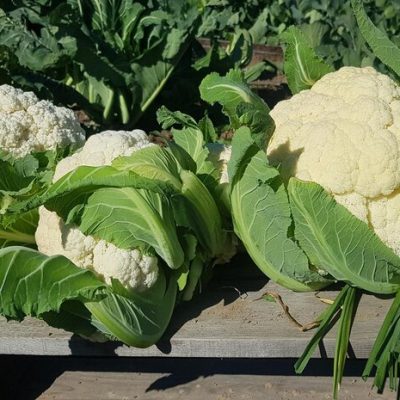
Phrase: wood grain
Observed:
(73, 385)
(218, 323)
(261, 52)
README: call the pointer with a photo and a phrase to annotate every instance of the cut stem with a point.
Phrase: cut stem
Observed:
(343, 337)
(327, 321)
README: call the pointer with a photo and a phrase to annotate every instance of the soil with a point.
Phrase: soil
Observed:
(161, 138)
(86, 121)
(261, 52)
(272, 90)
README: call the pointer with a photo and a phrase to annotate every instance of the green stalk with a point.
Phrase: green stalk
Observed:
(387, 361)
(156, 92)
(343, 337)
(196, 269)
(345, 304)
(17, 237)
(326, 324)
(394, 384)
(69, 81)
(123, 106)
(109, 105)
(161, 85)
(395, 378)
(386, 331)
(79, 2)
(91, 93)
(210, 224)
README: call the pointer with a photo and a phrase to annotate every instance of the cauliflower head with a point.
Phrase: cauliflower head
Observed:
(28, 124)
(219, 155)
(344, 134)
(102, 149)
(135, 270)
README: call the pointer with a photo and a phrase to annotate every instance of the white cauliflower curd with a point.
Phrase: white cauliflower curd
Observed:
(219, 155)
(28, 124)
(133, 269)
(344, 134)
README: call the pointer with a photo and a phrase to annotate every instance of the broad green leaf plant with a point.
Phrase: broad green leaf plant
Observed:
(302, 66)
(385, 353)
(117, 61)
(295, 230)
(146, 201)
(110, 58)
(339, 245)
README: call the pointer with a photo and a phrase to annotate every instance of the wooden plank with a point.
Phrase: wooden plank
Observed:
(261, 52)
(73, 385)
(218, 323)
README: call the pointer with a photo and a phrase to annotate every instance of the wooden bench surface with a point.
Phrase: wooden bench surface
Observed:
(104, 386)
(218, 323)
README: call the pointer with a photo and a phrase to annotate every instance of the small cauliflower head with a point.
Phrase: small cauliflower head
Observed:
(135, 270)
(344, 134)
(219, 155)
(28, 124)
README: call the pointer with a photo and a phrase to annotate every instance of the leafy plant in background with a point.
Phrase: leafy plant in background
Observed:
(329, 25)
(116, 56)
(113, 59)
(119, 61)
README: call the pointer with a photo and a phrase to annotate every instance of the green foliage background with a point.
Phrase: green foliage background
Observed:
(120, 60)
(329, 24)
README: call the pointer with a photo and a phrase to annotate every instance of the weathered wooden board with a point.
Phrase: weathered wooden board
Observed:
(90, 378)
(261, 52)
(73, 385)
(219, 323)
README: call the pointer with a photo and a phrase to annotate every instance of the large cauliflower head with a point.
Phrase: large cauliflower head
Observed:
(344, 134)
(28, 124)
(132, 268)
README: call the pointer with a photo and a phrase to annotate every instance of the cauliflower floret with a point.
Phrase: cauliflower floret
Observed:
(102, 149)
(53, 236)
(385, 218)
(344, 133)
(355, 203)
(28, 124)
(135, 270)
(132, 268)
(219, 155)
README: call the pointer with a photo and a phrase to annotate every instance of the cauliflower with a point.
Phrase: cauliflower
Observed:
(133, 269)
(344, 134)
(102, 149)
(28, 124)
(219, 155)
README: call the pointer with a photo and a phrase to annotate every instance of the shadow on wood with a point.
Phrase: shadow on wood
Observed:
(26, 377)
(229, 283)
